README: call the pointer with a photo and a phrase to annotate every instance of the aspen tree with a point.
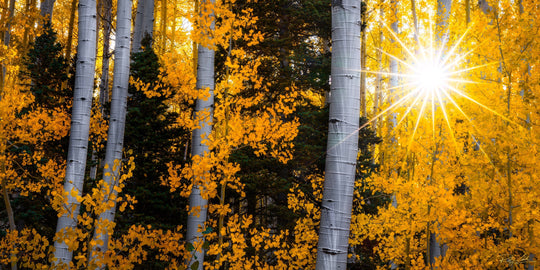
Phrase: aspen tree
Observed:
(115, 137)
(80, 125)
(6, 39)
(435, 248)
(46, 9)
(144, 23)
(198, 204)
(342, 146)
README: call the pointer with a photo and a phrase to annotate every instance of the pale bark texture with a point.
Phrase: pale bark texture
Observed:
(163, 26)
(443, 15)
(80, 123)
(115, 136)
(394, 80)
(342, 146)
(6, 39)
(46, 8)
(107, 21)
(436, 249)
(205, 80)
(144, 23)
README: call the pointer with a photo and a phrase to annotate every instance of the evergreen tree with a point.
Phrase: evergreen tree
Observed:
(45, 67)
(152, 136)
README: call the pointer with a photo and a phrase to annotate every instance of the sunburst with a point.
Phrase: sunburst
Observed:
(431, 79)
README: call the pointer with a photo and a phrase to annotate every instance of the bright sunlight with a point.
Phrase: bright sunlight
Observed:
(428, 74)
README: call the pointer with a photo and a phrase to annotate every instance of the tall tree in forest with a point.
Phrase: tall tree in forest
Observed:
(6, 38)
(342, 146)
(435, 248)
(144, 23)
(46, 9)
(115, 137)
(203, 113)
(151, 133)
(80, 125)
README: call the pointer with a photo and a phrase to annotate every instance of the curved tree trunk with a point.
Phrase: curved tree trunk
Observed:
(115, 136)
(342, 146)
(80, 124)
(205, 80)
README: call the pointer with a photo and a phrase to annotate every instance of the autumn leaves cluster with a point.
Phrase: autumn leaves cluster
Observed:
(453, 186)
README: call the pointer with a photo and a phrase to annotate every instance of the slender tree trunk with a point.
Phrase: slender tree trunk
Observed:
(394, 84)
(443, 14)
(80, 125)
(70, 38)
(138, 27)
(163, 26)
(205, 80)
(105, 8)
(173, 32)
(46, 9)
(7, 203)
(115, 136)
(194, 45)
(394, 80)
(415, 21)
(378, 89)
(148, 21)
(436, 249)
(363, 44)
(468, 11)
(342, 146)
(144, 23)
(27, 6)
(6, 38)
(224, 185)
(70, 31)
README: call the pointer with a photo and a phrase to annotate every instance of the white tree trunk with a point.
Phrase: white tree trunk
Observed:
(115, 136)
(443, 14)
(342, 146)
(80, 122)
(46, 8)
(394, 80)
(205, 80)
(144, 23)
(436, 249)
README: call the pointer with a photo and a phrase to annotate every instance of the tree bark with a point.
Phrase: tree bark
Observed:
(144, 23)
(115, 136)
(163, 26)
(6, 39)
(205, 80)
(443, 14)
(436, 249)
(7, 204)
(80, 124)
(46, 9)
(363, 108)
(342, 146)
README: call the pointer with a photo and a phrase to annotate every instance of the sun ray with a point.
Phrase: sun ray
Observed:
(457, 91)
(447, 120)
(476, 130)
(417, 123)
(470, 68)
(409, 109)
(396, 58)
(400, 42)
(452, 50)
